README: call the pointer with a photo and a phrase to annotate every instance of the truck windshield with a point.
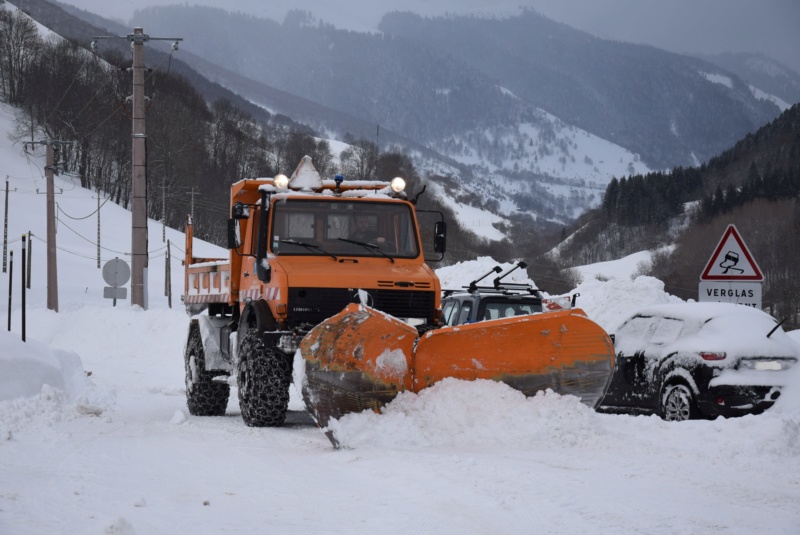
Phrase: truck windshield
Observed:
(343, 227)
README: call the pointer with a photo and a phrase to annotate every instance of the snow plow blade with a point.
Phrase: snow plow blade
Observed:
(358, 359)
(362, 358)
(564, 351)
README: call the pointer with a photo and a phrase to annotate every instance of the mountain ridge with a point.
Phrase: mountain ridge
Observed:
(507, 142)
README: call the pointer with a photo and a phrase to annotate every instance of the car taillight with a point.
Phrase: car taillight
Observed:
(712, 356)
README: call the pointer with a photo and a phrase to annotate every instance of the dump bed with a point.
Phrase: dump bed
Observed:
(207, 282)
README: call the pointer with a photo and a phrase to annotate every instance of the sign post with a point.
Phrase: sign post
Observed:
(731, 274)
(116, 273)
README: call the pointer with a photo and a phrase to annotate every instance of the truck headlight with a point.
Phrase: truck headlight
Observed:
(282, 181)
(398, 184)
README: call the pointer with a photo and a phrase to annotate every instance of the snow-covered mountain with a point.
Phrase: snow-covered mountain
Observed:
(525, 114)
(520, 97)
(766, 74)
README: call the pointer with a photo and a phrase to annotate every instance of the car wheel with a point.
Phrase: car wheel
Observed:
(677, 403)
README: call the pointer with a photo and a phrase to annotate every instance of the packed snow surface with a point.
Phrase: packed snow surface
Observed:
(95, 436)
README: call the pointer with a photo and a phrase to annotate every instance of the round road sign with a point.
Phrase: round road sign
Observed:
(116, 272)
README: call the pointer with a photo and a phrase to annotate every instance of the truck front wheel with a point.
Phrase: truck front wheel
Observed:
(204, 396)
(264, 376)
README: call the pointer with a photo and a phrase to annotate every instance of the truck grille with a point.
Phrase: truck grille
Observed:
(313, 305)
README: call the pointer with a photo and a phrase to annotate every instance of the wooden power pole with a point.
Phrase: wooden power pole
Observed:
(139, 207)
(52, 269)
(139, 164)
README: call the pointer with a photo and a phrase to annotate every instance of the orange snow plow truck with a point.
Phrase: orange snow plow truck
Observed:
(326, 283)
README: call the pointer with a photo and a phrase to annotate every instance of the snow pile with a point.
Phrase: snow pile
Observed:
(455, 413)
(610, 302)
(458, 275)
(621, 268)
(41, 383)
(46, 380)
(25, 367)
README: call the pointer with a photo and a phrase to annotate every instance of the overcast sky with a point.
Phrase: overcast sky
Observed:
(771, 27)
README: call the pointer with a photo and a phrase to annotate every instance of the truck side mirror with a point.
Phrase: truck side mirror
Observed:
(440, 237)
(234, 238)
(263, 270)
(240, 211)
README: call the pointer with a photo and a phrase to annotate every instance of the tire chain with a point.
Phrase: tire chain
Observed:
(264, 376)
(204, 396)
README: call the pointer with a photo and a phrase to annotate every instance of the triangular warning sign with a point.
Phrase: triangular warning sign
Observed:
(731, 260)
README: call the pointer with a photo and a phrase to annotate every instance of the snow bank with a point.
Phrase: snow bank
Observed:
(458, 275)
(610, 302)
(470, 413)
(623, 268)
(455, 414)
(44, 384)
(26, 366)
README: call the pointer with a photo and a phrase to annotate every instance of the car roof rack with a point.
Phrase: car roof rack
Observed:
(506, 288)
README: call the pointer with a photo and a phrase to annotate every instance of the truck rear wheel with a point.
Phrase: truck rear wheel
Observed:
(264, 376)
(204, 396)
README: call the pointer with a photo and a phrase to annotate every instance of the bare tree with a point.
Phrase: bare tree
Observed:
(359, 161)
(19, 46)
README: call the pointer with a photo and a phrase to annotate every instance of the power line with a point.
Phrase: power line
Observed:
(99, 89)
(77, 74)
(85, 217)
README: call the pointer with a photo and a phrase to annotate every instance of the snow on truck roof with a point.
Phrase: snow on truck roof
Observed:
(306, 180)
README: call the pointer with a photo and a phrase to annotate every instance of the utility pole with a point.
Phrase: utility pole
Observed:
(192, 193)
(22, 287)
(10, 287)
(139, 164)
(168, 276)
(30, 257)
(5, 229)
(139, 159)
(164, 202)
(377, 147)
(52, 271)
(98, 226)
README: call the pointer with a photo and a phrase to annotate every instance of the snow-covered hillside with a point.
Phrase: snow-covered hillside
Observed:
(570, 164)
(549, 147)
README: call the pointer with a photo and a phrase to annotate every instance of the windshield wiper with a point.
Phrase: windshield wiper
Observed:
(370, 246)
(309, 246)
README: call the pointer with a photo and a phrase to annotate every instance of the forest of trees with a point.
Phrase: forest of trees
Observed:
(652, 199)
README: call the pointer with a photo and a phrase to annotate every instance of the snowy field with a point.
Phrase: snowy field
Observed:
(95, 437)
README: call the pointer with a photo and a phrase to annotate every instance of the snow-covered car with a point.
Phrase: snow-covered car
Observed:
(699, 360)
